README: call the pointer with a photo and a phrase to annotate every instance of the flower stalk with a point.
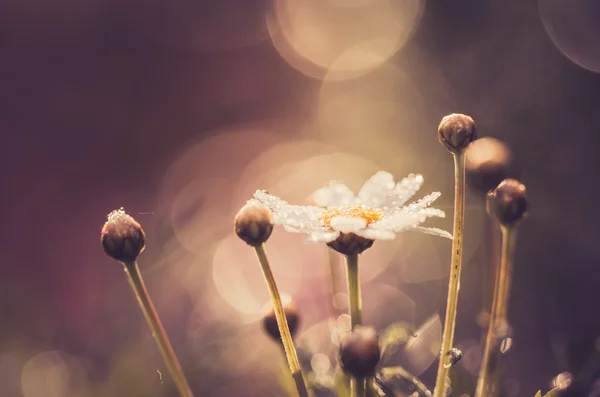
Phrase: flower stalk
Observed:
(136, 282)
(455, 132)
(497, 329)
(354, 295)
(284, 330)
(455, 271)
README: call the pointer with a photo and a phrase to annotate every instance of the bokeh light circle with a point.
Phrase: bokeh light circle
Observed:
(54, 374)
(573, 27)
(346, 40)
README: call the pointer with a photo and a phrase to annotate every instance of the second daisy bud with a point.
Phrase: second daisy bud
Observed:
(360, 352)
(253, 223)
(508, 202)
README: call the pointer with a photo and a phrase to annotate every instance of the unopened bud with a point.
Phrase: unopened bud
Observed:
(456, 132)
(122, 237)
(508, 202)
(253, 223)
(360, 352)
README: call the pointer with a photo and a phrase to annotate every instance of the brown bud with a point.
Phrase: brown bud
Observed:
(488, 162)
(253, 223)
(350, 244)
(291, 314)
(122, 237)
(360, 352)
(456, 132)
(508, 202)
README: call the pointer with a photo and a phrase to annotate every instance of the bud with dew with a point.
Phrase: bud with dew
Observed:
(122, 237)
(253, 223)
(456, 132)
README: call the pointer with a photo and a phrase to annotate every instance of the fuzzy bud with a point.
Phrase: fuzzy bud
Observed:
(456, 132)
(253, 223)
(360, 352)
(488, 162)
(122, 237)
(291, 314)
(508, 202)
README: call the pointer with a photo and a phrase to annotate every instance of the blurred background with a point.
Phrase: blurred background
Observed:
(178, 110)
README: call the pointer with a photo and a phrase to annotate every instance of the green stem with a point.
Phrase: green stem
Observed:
(354, 296)
(486, 383)
(284, 330)
(454, 282)
(358, 388)
(136, 281)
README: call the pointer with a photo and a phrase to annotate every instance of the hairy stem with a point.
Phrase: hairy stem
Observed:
(454, 283)
(134, 276)
(498, 326)
(284, 330)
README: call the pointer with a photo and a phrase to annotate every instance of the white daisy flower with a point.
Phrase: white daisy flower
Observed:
(348, 223)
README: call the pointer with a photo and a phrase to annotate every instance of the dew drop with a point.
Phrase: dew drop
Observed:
(505, 345)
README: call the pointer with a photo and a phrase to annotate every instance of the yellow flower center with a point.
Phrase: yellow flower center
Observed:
(370, 215)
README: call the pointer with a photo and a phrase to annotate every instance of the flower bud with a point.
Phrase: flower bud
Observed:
(360, 352)
(456, 132)
(350, 244)
(291, 314)
(508, 202)
(488, 162)
(122, 237)
(253, 223)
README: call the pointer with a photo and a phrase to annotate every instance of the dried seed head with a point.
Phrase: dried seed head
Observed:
(456, 132)
(360, 352)
(253, 223)
(122, 237)
(291, 314)
(508, 202)
(488, 162)
(350, 244)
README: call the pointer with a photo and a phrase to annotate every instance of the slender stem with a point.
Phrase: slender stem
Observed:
(141, 293)
(358, 388)
(332, 269)
(284, 330)
(354, 296)
(498, 324)
(454, 283)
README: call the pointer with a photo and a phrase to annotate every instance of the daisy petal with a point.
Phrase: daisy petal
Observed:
(322, 236)
(335, 194)
(376, 234)
(432, 230)
(348, 224)
(298, 217)
(375, 192)
(407, 188)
